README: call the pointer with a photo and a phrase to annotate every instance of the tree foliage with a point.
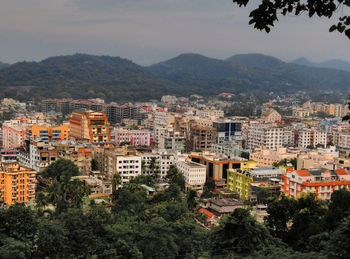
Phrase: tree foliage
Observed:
(268, 12)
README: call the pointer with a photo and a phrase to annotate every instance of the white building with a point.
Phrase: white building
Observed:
(194, 173)
(265, 135)
(310, 137)
(163, 161)
(344, 140)
(128, 167)
(160, 118)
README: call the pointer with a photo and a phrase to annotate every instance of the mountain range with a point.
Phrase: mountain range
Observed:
(333, 63)
(118, 79)
(3, 65)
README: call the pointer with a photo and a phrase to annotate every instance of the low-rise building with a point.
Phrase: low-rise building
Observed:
(321, 182)
(194, 173)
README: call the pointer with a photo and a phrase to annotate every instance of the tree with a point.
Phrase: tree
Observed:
(239, 234)
(154, 167)
(338, 209)
(176, 177)
(116, 181)
(191, 196)
(62, 169)
(94, 164)
(268, 12)
(338, 245)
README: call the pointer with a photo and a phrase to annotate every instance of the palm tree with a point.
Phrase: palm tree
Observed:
(116, 181)
(154, 167)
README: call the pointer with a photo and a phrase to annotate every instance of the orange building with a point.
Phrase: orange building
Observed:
(17, 183)
(216, 166)
(322, 182)
(47, 133)
(89, 125)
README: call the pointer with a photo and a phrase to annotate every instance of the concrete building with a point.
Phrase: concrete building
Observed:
(194, 173)
(266, 157)
(321, 182)
(134, 137)
(17, 183)
(271, 116)
(13, 133)
(228, 131)
(89, 125)
(265, 135)
(310, 137)
(216, 165)
(47, 133)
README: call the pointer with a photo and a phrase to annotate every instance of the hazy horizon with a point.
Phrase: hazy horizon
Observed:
(152, 31)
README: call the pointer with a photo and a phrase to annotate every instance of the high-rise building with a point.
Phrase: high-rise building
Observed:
(265, 135)
(89, 125)
(227, 131)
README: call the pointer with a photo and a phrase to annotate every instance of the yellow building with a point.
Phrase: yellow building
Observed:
(17, 183)
(248, 165)
(239, 181)
(47, 133)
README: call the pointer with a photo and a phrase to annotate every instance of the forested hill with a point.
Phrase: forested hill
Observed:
(333, 63)
(118, 79)
(3, 65)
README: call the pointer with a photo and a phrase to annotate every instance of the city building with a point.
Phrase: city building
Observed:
(265, 135)
(89, 125)
(266, 157)
(239, 181)
(132, 137)
(13, 133)
(47, 133)
(310, 137)
(194, 173)
(227, 131)
(216, 165)
(321, 182)
(271, 116)
(17, 183)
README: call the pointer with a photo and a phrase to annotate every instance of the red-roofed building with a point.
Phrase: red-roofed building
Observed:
(322, 182)
(206, 212)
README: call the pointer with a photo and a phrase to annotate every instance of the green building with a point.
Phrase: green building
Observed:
(239, 181)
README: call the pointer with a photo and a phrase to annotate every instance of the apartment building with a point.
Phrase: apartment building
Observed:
(194, 173)
(265, 135)
(134, 137)
(13, 133)
(227, 130)
(266, 157)
(89, 125)
(117, 113)
(310, 137)
(163, 162)
(200, 138)
(321, 182)
(17, 183)
(47, 133)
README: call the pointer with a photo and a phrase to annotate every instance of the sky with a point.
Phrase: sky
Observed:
(150, 31)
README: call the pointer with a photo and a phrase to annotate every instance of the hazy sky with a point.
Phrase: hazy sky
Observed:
(148, 31)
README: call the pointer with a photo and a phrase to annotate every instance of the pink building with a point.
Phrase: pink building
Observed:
(13, 133)
(134, 137)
